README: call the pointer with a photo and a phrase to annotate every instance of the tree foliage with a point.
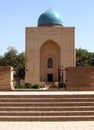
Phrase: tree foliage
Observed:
(10, 58)
(14, 59)
(84, 58)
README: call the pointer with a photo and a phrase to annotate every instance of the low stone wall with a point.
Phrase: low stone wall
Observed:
(6, 78)
(80, 78)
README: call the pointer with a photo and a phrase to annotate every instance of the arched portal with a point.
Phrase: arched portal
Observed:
(49, 61)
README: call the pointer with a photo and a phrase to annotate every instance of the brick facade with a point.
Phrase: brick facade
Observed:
(44, 42)
(80, 78)
(6, 78)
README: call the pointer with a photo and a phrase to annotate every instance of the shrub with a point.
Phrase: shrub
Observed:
(36, 86)
(21, 86)
(16, 86)
(28, 85)
(53, 85)
(62, 85)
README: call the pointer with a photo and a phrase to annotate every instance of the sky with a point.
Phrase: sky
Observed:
(15, 15)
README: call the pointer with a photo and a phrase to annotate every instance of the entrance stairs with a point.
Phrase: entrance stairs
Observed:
(46, 106)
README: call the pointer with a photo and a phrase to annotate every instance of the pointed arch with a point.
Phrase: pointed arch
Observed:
(50, 41)
(49, 60)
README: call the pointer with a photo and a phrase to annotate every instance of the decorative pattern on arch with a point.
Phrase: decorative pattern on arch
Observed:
(49, 60)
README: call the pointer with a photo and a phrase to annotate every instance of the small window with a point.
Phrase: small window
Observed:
(50, 62)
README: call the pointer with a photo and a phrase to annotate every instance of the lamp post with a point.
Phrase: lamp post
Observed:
(61, 82)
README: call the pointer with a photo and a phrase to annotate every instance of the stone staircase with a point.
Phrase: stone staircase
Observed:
(76, 107)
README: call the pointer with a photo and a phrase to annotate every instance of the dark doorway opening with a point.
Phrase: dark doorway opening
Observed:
(50, 77)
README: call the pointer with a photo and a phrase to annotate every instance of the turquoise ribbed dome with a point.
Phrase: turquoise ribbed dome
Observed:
(50, 17)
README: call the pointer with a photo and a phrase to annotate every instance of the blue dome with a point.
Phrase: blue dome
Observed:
(50, 17)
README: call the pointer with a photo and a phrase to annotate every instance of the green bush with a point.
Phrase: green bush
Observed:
(36, 86)
(63, 85)
(19, 86)
(28, 85)
(16, 86)
(53, 85)
(22, 86)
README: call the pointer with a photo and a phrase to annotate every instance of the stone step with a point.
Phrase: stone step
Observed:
(48, 96)
(41, 104)
(62, 108)
(47, 118)
(47, 100)
(47, 107)
(47, 113)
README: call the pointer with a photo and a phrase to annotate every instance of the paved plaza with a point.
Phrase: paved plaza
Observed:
(47, 125)
(45, 92)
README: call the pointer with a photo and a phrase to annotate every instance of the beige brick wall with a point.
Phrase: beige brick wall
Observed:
(6, 78)
(80, 78)
(36, 37)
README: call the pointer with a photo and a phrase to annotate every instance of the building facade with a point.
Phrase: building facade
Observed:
(48, 46)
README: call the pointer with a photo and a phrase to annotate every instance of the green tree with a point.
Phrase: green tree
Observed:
(1, 60)
(21, 60)
(10, 57)
(14, 59)
(84, 58)
(20, 68)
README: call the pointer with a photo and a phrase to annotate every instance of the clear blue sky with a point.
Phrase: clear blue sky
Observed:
(15, 15)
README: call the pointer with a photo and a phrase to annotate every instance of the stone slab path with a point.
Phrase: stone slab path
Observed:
(45, 92)
(47, 125)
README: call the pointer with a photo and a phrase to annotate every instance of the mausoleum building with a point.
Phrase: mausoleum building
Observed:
(48, 46)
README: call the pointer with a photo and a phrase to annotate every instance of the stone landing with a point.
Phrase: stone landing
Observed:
(81, 125)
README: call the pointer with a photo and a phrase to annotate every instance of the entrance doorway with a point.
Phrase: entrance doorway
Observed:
(49, 77)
